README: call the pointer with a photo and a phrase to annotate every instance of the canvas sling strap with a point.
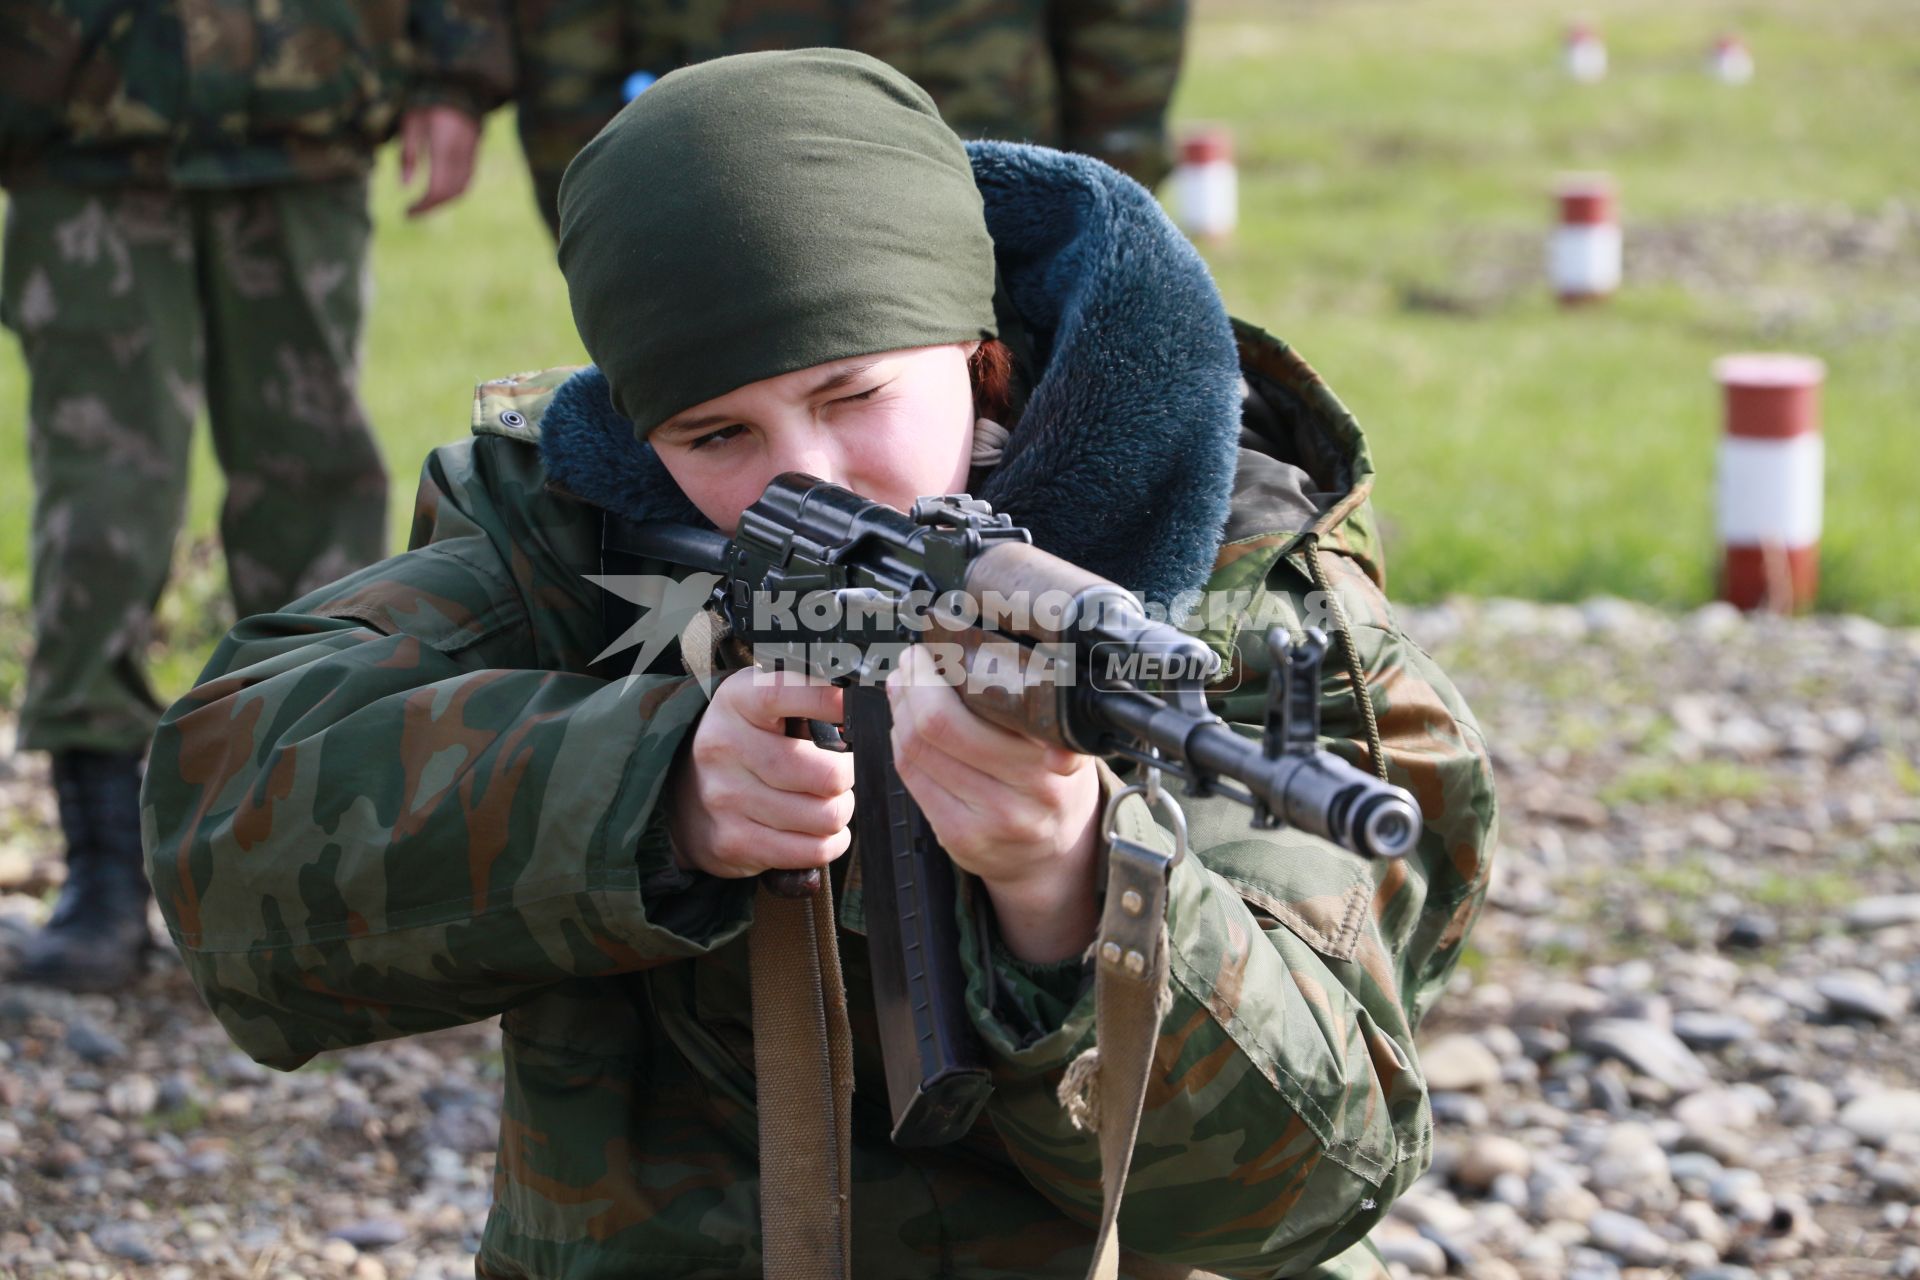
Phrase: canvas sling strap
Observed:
(1105, 1088)
(802, 1048)
(803, 1058)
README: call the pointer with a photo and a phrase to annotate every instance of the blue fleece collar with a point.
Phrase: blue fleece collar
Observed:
(1123, 459)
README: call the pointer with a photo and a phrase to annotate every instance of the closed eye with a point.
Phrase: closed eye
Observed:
(863, 395)
(712, 438)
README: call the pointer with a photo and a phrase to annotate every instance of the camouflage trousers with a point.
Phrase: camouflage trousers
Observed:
(133, 305)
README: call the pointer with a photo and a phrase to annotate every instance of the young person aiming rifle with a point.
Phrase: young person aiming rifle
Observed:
(413, 800)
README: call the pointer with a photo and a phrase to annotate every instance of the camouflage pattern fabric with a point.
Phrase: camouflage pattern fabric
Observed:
(221, 93)
(402, 803)
(1081, 75)
(132, 306)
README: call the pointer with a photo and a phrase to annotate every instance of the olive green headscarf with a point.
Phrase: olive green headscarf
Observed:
(763, 213)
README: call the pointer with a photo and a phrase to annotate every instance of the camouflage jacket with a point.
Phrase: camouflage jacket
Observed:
(407, 802)
(220, 93)
(1092, 76)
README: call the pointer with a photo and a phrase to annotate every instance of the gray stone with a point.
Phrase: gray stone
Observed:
(1651, 1050)
(1591, 1264)
(238, 1068)
(1730, 1185)
(1701, 1029)
(1750, 931)
(176, 1091)
(133, 1096)
(1609, 1093)
(1893, 1180)
(1628, 1238)
(468, 1129)
(372, 1233)
(1509, 1189)
(1631, 1162)
(1805, 1104)
(1488, 1157)
(1698, 1219)
(1459, 1110)
(1542, 1043)
(1555, 1004)
(1855, 993)
(1884, 912)
(1693, 1171)
(125, 1240)
(1417, 1254)
(1501, 1042)
(1877, 1118)
(1460, 1258)
(91, 1044)
(1714, 1109)
(1459, 1064)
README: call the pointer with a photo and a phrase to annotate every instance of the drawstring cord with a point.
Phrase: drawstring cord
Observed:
(989, 442)
(1361, 693)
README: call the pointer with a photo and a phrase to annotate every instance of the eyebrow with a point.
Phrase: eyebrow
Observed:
(833, 382)
(842, 378)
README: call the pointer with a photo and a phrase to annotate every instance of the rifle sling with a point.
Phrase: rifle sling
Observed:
(1129, 991)
(803, 1060)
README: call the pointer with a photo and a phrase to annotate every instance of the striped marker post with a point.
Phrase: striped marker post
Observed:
(1586, 53)
(1771, 476)
(1583, 257)
(1730, 62)
(1206, 188)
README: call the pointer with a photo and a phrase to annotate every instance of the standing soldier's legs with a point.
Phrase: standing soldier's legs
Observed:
(98, 284)
(284, 289)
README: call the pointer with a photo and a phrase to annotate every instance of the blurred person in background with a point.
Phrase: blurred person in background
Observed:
(187, 222)
(1092, 76)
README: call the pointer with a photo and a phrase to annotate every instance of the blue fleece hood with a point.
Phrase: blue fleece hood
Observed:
(1122, 460)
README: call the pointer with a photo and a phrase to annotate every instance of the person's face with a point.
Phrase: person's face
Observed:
(892, 427)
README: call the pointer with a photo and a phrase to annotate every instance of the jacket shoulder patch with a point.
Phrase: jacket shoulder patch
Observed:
(513, 406)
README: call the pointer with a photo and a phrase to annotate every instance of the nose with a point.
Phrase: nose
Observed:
(804, 446)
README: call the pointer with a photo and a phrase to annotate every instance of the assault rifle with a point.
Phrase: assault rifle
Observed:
(820, 579)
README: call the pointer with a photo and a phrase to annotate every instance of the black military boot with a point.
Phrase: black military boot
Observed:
(98, 931)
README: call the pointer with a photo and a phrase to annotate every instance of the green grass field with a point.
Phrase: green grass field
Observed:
(1396, 158)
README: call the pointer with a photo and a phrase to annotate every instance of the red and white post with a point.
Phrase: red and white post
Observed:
(1772, 462)
(1206, 188)
(1730, 62)
(1583, 257)
(1586, 53)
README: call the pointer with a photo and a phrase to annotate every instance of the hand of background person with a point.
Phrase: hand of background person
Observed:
(448, 139)
(1018, 813)
(746, 797)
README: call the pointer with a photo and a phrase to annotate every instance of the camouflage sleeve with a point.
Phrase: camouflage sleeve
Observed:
(1118, 60)
(1286, 1108)
(462, 54)
(376, 815)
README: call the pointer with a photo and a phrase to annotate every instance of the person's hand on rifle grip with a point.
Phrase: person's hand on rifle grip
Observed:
(746, 797)
(1020, 814)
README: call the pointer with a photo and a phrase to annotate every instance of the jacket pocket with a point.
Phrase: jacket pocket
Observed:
(1309, 998)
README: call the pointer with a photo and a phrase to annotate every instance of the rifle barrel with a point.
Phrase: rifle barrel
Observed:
(1317, 792)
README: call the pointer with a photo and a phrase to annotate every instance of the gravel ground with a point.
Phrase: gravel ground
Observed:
(1678, 1047)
